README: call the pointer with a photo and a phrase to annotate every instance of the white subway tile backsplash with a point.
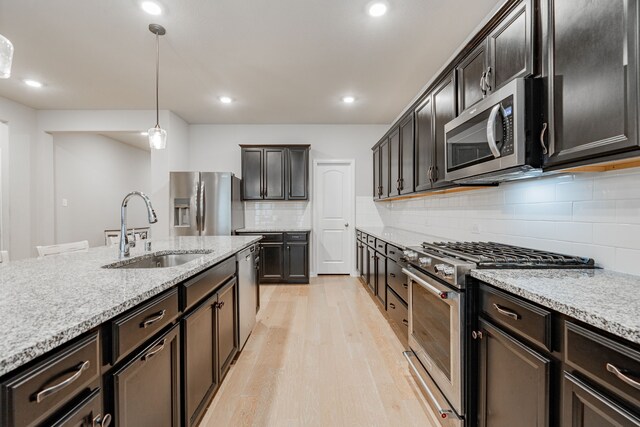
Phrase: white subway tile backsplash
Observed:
(594, 215)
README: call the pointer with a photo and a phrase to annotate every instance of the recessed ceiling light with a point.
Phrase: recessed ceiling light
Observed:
(225, 99)
(144, 133)
(377, 9)
(348, 99)
(151, 8)
(32, 83)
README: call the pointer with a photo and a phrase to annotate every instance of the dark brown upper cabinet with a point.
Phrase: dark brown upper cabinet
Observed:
(384, 169)
(377, 187)
(407, 155)
(275, 172)
(394, 163)
(506, 53)
(590, 65)
(424, 144)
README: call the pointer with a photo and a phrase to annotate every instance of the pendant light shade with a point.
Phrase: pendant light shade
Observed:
(157, 135)
(6, 57)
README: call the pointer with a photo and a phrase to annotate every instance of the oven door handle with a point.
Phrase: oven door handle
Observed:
(427, 286)
(491, 133)
(444, 413)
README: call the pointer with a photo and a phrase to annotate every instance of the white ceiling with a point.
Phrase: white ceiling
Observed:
(283, 61)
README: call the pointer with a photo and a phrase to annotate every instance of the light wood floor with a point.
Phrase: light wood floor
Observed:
(320, 355)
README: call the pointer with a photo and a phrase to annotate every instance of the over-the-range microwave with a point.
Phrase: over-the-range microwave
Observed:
(498, 138)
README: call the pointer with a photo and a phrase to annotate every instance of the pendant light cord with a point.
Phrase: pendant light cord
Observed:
(157, 79)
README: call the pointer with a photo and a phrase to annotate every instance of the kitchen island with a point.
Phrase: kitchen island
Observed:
(54, 306)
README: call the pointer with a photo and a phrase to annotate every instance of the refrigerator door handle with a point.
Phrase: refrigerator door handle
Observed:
(203, 204)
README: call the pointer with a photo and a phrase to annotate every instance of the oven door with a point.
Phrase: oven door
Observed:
(489, 136)
(436, 316)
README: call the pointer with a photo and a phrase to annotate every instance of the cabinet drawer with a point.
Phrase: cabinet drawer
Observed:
(394, 252)
(397, 280)
(36, 394)
(398, 312)
(606, 362)
(272, 237)
(371, 241)
(296, 237)
(132, 329)
(527, 320)
(358, 234)
(381, 246)
(194, 290)
(87, 412)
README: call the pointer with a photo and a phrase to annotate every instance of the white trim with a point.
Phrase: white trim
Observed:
(352, 218)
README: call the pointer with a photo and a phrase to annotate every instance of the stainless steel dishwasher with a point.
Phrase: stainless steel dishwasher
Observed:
(247, 292)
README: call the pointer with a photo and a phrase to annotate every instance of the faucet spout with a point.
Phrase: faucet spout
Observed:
(151, 213)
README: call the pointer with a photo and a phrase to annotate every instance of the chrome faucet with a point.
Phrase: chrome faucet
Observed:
(124, 239)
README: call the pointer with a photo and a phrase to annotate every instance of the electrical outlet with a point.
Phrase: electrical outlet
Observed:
(475, 228)
(65, 203)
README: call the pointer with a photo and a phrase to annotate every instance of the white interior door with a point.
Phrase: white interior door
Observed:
(334, 210)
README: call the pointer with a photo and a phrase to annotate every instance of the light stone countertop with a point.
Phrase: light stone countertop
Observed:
(399, 237)
(47, 302)
(600, 298)
(274, 229)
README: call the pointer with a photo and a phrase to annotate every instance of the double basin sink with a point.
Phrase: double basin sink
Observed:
(158, 261)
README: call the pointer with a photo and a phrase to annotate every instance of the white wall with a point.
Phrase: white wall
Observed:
(593, 215)
(93, 173)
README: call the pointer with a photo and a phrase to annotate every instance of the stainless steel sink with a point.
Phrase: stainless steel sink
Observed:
(159, 261)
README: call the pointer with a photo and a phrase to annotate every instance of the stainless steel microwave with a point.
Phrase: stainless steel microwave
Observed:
(493, 140)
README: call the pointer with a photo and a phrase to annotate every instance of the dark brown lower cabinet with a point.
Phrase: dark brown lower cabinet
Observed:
(381, 278)
(210, 344)
(271, 262)
(371, 268)
(147, 387)
(514, 382)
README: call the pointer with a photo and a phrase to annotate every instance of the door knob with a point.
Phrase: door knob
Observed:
(346, 224)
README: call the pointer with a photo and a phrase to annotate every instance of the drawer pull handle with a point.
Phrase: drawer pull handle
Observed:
(507, 313)
(405, 285)
(155, 350)
(405, 322)
(392, 275)
(620, 373)
(62, 384)
(102, 421)
(392, 305)
(153, 319)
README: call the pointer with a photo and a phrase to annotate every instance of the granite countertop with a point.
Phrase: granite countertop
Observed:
(271, 229)
(47, 302)
(601, 298)
(399, 237)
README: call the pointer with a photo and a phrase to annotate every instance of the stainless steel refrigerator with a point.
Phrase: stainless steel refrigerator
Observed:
(205, 204)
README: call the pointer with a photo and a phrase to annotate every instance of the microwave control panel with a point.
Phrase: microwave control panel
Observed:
(507, 127)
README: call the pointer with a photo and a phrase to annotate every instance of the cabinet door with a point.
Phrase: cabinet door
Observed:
(510, 48)
(583, 406)
(296, 261)
(200, 363)
(227, 316)
(381, 279)
(377, 190)
(371, 269)
(298, 179)
(407, 155)
(147, 388)
(384, 169)
(424, 144)
(274, 177)
(394, 163)
(271, 262)
(469, 75)
(592, 67)
(514, 382)
(444, 110)
(252, 174)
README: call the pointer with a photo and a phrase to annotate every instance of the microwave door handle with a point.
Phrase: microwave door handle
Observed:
(491, 133)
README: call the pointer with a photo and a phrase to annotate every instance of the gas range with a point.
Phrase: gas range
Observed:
(451, 261)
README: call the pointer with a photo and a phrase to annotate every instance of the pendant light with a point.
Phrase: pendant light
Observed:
(6, 57)
(157, 135)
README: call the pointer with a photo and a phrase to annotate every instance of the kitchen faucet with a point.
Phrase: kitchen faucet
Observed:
(124, 239)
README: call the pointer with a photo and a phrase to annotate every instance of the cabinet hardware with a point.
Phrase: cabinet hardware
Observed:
(487, 86)
(392, 305)
(405, 322)
(155, 318)
(483, 87)
(406, 286)
(620, 373)
(220, 305)
(62, 384)
(155, 350)
(392, 252)
(392, 274)
(542, 132)
(101, 421)
(476, 335)
(505, 312)
(434, 173)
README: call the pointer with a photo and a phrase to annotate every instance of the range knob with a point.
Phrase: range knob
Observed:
(424, 261)
(410, 255)
(444, 270)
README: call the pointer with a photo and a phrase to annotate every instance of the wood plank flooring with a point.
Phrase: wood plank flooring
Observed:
(320, 355)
